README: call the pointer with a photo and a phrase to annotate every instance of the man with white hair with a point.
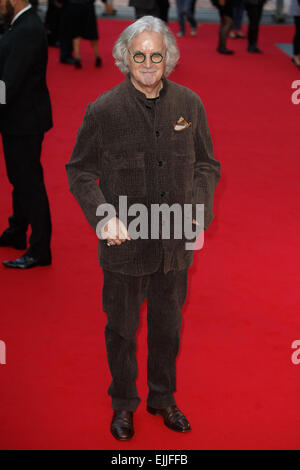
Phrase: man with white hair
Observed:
(146, 139)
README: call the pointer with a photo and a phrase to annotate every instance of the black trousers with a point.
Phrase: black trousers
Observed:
(254, 14)
(65, 36)
(296, 42)
(30, 202)
(139, 12)
(163, 9)
(122, 297)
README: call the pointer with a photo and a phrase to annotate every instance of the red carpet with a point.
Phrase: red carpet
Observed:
(236, 381)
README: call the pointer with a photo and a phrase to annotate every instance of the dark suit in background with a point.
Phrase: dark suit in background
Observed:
(24, 119)
(145, 7)
(254, 10)
(163, 9)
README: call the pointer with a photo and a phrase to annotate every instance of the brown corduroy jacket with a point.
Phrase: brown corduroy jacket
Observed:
(130, 145)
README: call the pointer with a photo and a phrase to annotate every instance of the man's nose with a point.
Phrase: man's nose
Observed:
(148, 61)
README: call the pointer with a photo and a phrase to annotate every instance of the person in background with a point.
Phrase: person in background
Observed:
(145, 7)
(163, 6)
(295, 12)
(184, 11)
(225, 8)
(254, 10)
(109, 9)
(65, 37)
(193, 7)
(24, 119)
(238, 12)
(34, 4)
(80, 22)
(52, 23)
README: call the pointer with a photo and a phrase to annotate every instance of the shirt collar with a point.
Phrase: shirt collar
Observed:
(139, 94)
(19, 14)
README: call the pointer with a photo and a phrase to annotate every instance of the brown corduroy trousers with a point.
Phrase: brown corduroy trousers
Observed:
(122, 296)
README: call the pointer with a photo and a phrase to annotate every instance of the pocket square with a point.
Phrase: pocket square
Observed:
(181, 124)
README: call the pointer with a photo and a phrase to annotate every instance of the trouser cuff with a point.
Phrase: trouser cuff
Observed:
(160, 401)
(128, 404)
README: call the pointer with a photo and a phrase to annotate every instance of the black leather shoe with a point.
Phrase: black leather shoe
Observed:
(19, 243)
(98, 62)
(122, 425)
(224, 50)
(77, 64)
(254, 49)
(68, 61)
(26, 262)
(173, 418)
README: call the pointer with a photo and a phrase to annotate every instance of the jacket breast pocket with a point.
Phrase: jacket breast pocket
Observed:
(126, 173)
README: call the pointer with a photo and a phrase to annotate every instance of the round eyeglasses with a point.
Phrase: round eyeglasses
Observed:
(140, 57)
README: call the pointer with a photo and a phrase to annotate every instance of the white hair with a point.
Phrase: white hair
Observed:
(146, 23)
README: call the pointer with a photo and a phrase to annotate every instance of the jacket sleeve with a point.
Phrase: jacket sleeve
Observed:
(206, 168)
(83, 168)
(23, 55)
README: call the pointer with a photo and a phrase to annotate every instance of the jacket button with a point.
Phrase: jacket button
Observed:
(162, 194)
(160, 163)
(157, 133)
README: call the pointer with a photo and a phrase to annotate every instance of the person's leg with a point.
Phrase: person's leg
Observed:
(238, 11)
(122, 296)
(296, 41)
(225, 26)
(181, 16)
(76, 48)
(18, 222)
(259, 11)
(163, 9)
(140, 12)
(254, 14)
(65, 36)
(189, 14)
(165, 298)
(108, 7)
(95, 47)
(193, 5)
(29, 186)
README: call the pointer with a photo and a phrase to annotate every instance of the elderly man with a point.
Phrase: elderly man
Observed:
(146, 139)
(24, 118)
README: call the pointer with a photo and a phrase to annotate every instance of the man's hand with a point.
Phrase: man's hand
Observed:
(114, 232)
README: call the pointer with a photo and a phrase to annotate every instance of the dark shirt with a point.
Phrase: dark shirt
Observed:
(129, 143)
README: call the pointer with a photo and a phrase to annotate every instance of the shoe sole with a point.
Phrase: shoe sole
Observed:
(27, 267)
(122, 438)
